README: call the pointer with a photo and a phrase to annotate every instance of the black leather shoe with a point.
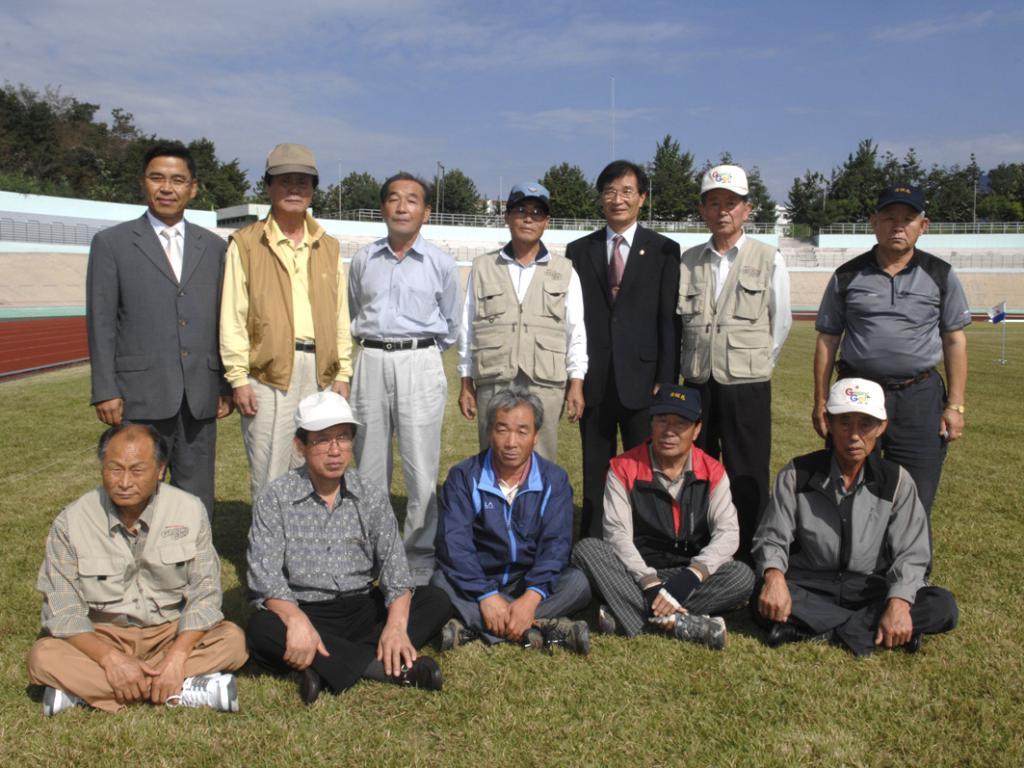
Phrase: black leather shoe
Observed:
(781, 634)
(424, 673)
(914, 644)
(310, 685)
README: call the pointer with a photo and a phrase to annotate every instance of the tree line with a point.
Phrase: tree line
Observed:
(53, 144)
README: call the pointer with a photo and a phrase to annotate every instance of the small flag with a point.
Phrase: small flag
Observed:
(998, 313)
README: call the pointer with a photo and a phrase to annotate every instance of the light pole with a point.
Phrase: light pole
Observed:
(439, 188)
(339, 190)
(613, 117)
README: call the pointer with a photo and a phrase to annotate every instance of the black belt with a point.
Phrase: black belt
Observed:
(394, 346)
(890, 383)
(305, 346)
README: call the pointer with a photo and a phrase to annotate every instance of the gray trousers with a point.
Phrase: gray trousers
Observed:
(403, 392)
(727, 588)
(268, 436)
(571, 594)
(550, 397)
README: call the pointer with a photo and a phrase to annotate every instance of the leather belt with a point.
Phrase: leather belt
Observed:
(305, 346)
(395, 346)
(891, 383)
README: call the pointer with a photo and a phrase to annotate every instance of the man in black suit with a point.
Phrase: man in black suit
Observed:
(630, 280)
(152, 311)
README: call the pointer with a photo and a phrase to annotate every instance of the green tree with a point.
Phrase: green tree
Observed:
(949, 192)
(572, 196)
(675, 192)
(1000, 208)
(806, 202)
(857, 183)
(458, 194)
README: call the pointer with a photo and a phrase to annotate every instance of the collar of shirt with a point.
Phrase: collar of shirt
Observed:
(542, 256)
(835, 479)
(530, 481)
(730, 254)
(383, 248)
(303, 488)
(114, 520)
(159, 226)
(914, 261)
(662, 477)
(627, 236)
(280, 238)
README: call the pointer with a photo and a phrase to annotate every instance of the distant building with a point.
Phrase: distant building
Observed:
(238, 216)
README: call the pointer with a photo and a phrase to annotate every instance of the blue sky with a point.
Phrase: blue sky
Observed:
(503, 91)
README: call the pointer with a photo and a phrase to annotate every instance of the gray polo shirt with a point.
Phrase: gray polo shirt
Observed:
(892, 325)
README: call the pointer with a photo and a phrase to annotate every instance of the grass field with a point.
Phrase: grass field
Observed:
(645, 702)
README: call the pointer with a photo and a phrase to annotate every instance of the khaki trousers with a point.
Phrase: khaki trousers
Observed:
(268, 435)
(55, 662)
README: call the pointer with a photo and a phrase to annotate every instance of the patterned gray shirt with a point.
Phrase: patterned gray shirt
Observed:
(301, 551)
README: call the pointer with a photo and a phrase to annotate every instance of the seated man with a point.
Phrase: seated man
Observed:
(670, 531)
(843, 546)
(131, 592)
(504, 536)
(320, 538)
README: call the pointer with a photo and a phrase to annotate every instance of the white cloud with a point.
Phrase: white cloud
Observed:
(922, 29)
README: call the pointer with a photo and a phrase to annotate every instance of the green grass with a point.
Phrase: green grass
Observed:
(649, 702)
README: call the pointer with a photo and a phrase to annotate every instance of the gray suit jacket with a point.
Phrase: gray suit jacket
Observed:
(152, 340)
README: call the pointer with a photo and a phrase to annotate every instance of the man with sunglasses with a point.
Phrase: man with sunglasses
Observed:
(328, 573)
(522, 323)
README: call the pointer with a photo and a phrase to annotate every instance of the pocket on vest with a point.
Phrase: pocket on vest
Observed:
(689, 299)
(549, 359)
(749, 354)
(101, 579)
(751, 297)
(490, 358)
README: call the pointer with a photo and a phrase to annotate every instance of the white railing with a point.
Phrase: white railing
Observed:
(56, 232)
(934, 228)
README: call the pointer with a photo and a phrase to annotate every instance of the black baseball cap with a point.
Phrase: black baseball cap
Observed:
(901, 193)
(681, 401)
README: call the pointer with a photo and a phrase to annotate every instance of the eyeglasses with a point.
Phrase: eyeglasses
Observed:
(628, 193)
(178, 182)
(523, 212)
(324, 444)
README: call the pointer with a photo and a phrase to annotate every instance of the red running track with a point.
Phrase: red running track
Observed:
(46, 341)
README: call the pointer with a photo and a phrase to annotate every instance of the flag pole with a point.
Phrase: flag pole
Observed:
(1002, 354)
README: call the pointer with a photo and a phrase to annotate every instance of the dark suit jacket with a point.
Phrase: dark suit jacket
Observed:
(637, 335)
(152, 340)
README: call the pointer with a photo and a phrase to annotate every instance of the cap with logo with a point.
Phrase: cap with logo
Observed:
(322, 410)
(533, 190)
(856, 396)
(291, 158)
(907, 194)
(730, 177)
(678, 400)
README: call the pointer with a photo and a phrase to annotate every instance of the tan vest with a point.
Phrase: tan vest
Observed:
(508, 336)
(271, 324)
(730, 339)
(118, 587)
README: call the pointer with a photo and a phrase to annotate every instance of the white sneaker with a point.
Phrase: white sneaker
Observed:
(55, 701)
(217, 691)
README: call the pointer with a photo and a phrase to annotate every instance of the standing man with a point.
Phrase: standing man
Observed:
(522, 323)
(403, 295)
(734, 303)
(152, 303)
(284, 319)
(629, 276)
(894, 312)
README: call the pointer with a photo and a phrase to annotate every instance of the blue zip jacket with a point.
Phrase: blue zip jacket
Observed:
(483, 544)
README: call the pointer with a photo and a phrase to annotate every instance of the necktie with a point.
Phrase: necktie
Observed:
(616, 266)
(173, 249)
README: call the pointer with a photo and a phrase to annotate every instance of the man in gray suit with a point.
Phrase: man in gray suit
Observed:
(152, 309)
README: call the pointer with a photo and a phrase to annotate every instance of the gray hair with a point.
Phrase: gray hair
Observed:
(159, 443)
(512, 397)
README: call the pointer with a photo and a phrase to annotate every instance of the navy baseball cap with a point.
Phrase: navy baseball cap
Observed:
(901, 193)
(681, 401)
(526, 191)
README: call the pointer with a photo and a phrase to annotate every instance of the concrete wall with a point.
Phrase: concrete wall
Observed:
(28, 205)
(928, 242)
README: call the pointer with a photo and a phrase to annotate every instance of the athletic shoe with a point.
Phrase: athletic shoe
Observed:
(56, 701)
(606, 623)
(571, 635)
(533, 639)
(703, 630)
(454, 633)
(217, 691)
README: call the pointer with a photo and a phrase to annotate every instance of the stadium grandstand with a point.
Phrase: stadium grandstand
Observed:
(44, 245)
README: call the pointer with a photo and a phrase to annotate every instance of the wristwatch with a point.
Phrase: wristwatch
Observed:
(955, 407)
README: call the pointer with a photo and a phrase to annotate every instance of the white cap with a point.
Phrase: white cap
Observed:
(730, 177)
(322, 410)
(856, 396)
